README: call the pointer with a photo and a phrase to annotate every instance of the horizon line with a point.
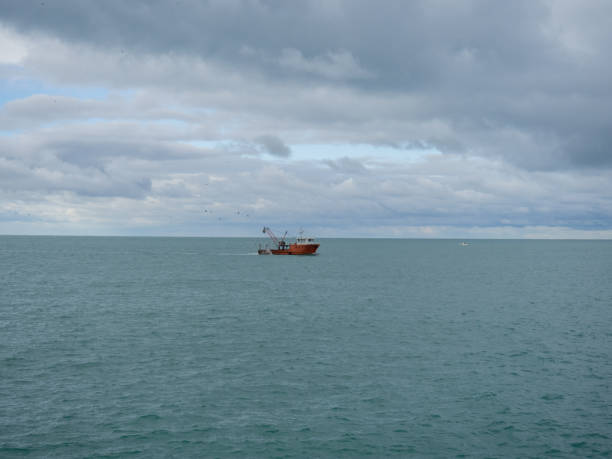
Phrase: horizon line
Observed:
(326, 237)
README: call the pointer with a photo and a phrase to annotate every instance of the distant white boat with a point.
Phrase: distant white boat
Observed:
(464, 243)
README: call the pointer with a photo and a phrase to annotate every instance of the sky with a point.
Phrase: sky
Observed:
(345, 118)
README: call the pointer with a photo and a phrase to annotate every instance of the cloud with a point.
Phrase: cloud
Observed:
(13, 48)
(511, 100)
(273, 145)
(177, 181)
(536, 95)
(347, 165)
(333, 65)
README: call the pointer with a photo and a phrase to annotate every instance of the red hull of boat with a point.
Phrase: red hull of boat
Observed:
(292, 249)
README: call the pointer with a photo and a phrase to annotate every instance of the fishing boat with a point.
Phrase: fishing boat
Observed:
(302, 245)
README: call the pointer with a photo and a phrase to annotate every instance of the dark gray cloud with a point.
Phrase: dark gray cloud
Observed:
(273, 145)
(347, 165)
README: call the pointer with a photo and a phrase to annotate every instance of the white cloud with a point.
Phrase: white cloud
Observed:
(13, 47)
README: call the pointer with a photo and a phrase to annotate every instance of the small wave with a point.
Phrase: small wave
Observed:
(82, 365)
(595, 435)
(131, 452)
(579, 444)
(552, 397)
(13, 360)
(149, 417)
(16, 450)
(518, 354)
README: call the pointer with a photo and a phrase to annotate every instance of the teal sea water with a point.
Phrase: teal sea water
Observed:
(196, 347)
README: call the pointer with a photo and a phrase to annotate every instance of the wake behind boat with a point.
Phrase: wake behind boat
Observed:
(301, 246)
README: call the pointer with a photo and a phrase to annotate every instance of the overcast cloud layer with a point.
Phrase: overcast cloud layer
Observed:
(346, 118)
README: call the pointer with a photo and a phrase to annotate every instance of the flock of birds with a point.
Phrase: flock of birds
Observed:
(210, 212)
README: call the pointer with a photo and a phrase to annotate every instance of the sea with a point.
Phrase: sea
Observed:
(197, 347)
